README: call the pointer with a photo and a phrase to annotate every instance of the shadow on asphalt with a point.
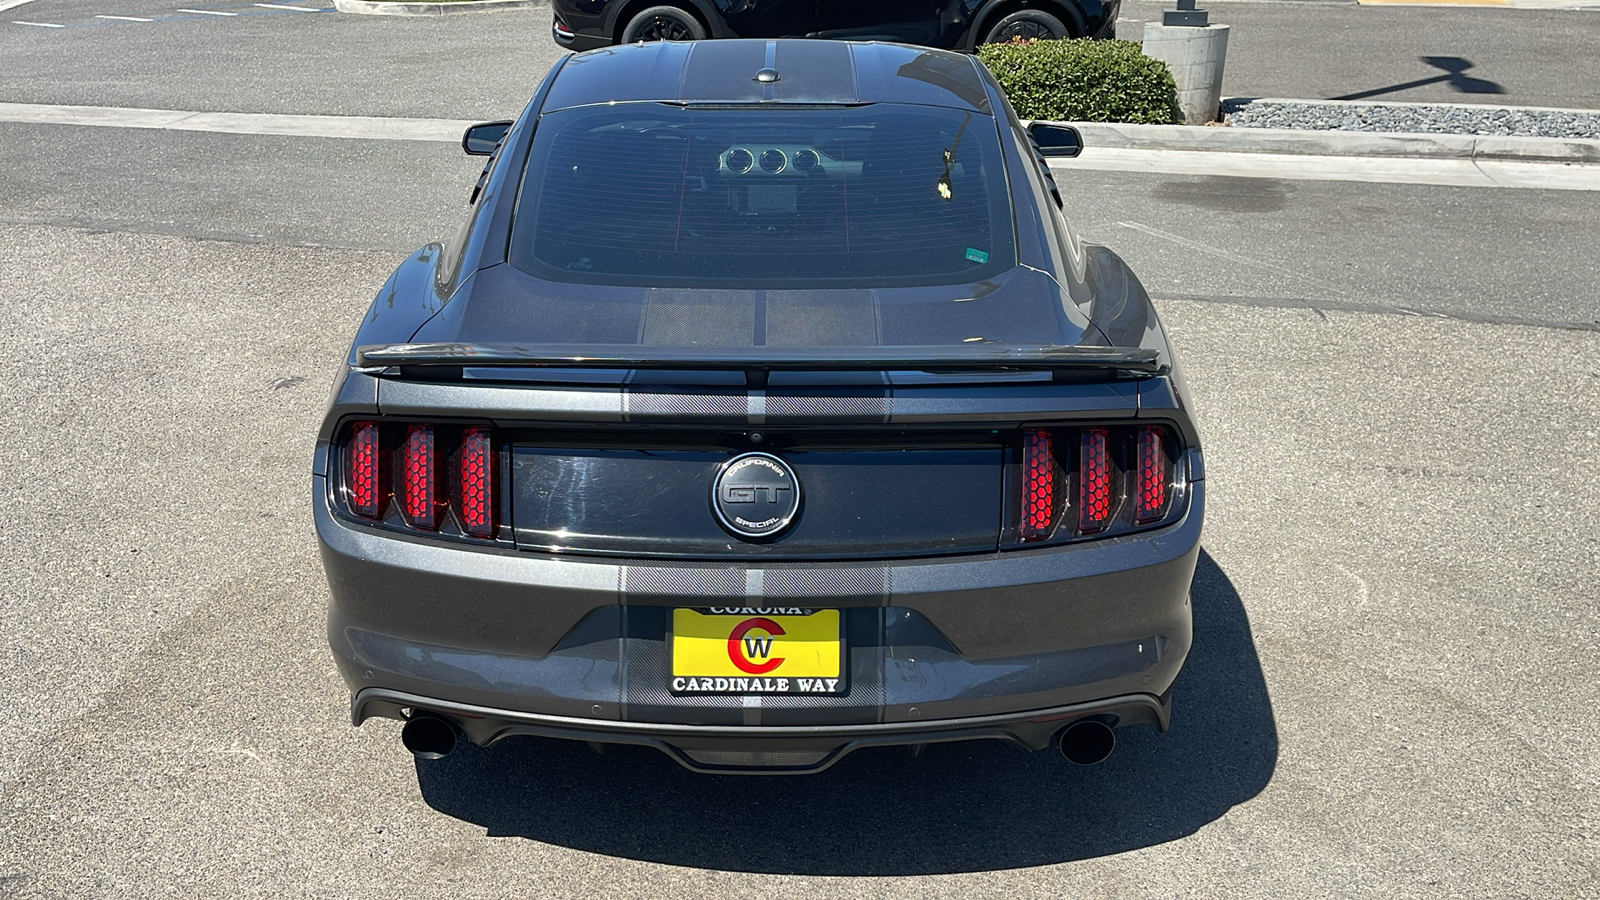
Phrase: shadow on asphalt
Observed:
(958, 808)
(1455, 75)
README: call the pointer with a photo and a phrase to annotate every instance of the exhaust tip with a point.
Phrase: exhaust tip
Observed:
(1087, 742)
(428, 736)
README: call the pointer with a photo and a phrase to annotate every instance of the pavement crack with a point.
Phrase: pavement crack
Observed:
(1319, 305)
(1227, 255)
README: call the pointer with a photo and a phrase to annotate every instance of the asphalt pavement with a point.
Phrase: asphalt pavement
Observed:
(273, 60)
(1396, 620)
(1423, 54)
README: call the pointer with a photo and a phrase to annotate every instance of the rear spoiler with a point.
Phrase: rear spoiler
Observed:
(756, 362)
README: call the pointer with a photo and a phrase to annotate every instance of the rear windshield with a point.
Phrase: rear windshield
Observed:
(868, 196)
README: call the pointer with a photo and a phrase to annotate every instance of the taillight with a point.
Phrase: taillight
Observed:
(364, 471)
(1154, 474)
(1039, 491)
(475, 498)
(427, 469)
(417, 478)
(1083, 481)
(1094, 480)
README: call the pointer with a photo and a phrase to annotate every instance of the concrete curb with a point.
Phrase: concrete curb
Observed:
(1336, 143)
(370, 8)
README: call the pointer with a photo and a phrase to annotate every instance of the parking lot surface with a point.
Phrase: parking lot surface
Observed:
(1396, 626)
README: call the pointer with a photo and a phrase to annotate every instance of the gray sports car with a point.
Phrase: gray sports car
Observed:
(766, 407)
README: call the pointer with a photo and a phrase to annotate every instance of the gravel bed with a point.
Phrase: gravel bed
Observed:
(1486, 120)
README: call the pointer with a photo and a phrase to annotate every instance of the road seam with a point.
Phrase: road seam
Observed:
(1371, 309)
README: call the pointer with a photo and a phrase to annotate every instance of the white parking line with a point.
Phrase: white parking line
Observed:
(12, 4)
(280, 6)
(125, 18)
(366, 127)
(1381, 170)
(208, 12)
(1454, 172)
(36, 24)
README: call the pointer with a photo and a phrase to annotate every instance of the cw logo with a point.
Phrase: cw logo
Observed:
(745, 649)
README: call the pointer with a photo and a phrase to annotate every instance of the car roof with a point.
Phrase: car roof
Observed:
(809, 72)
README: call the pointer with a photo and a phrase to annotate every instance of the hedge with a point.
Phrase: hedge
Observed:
(1084, 80)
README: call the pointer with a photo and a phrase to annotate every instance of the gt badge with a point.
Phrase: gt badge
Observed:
(755, 495)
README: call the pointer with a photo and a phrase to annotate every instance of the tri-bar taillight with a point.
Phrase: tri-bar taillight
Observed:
(428, 471)
(1096, 480)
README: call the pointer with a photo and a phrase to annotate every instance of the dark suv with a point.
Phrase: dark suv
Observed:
(951, 24)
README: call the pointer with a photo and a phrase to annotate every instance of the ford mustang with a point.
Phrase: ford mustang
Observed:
(766, 407)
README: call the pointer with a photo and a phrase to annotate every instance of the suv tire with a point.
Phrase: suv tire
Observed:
(1028, 23)
(663, 23)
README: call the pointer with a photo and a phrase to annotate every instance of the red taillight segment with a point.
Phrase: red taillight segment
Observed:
(1039, 493)
(1154, 475)
(362, 475)
(1094, 480)
(475, 491)
(418, 478)
(427, 471)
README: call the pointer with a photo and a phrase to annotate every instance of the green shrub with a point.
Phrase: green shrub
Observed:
(1084, 81)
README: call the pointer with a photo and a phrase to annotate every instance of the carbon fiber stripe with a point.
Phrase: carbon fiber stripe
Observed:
(870, 408)
(681, 586)
(678, 404)
(828, 583)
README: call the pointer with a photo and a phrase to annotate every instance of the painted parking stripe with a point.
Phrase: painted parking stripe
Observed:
(1391, 170)
(367, 127)
(37, 24)
(207, 12)
(125, 18)
(280, 6)
(12, 4)
(1379, 170)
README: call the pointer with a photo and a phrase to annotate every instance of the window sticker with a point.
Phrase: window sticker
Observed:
(977, 256)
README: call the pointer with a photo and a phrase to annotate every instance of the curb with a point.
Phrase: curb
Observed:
(1204, 138)
(371, 8)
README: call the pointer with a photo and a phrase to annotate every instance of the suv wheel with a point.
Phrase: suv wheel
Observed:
(1029, 24)
(663, 23)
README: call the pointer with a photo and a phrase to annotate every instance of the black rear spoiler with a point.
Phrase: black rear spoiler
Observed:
(755, 362)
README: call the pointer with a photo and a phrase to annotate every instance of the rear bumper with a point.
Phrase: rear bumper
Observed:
(578, 32)
(543, 643)
(734, 750)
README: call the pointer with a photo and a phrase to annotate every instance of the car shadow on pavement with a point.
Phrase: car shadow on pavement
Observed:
(963, 807)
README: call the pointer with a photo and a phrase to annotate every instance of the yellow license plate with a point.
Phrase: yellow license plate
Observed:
(757, 651)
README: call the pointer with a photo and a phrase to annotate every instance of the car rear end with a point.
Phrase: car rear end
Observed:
(769, 434)
(993, 561)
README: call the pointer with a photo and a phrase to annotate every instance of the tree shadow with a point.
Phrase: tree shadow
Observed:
(1455, 76)
(964, 807)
